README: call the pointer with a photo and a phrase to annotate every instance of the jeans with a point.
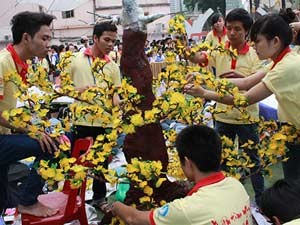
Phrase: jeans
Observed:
(245, 132)
(14, 148)
(291, 168)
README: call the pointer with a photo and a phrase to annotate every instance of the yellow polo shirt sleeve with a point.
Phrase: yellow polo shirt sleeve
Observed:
(209, 39)
(171, 213)
(284, 81)
(7, 89)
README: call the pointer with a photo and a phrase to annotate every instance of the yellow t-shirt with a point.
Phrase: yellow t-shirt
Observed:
(246, 64)
(7, 89)
(293, 222)
(214, 204)
(115, 56)
(214, 40)
(82, 76)
(284, 81)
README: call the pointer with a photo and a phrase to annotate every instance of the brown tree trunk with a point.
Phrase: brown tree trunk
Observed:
(148, 141)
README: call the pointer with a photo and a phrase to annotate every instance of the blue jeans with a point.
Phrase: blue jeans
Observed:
(14, 148)
(245, 132)
(291, 168)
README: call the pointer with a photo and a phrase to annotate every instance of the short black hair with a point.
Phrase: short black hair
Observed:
(215, 17)
(282, 200)
(271, 26)
(202, 145)
(28, 22)
(99, 28)
(241, 15)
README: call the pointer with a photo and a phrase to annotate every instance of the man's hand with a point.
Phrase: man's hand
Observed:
(47, 143)
(196, 91)
(82, 89)
(231, 74)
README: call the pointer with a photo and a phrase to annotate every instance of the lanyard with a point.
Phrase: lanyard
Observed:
(90, 63)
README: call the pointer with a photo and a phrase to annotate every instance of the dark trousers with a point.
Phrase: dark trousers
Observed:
(12, 149)
(246, 132)
(99, 188)
(291, 168)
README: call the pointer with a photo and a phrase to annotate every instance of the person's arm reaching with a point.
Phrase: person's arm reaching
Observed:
(130, 215)
(255, 94)
(244, 83)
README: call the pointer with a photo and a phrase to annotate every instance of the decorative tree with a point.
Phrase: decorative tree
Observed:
(150, 160)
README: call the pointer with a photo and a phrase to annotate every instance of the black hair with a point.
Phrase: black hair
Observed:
(28, 22)
(241, 15)
(271, 26)
(288, 15)
(82, 40)
(55, 48)
(104, 26)
(61, 48)
(215, 17)
(282, 200)
(202, 145)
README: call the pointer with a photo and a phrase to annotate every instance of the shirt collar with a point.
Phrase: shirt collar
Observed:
(223, 34)
(19, 63)
(88, 52)
(242, 51)
(281, 55)
(211, 179)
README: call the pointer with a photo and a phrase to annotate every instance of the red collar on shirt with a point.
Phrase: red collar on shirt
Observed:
(211, 179)
(242, 51)
(19, 63)
(223, 34)
(88, 52)
(281, 55)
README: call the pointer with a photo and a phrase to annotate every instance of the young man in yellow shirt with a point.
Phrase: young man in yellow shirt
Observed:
(238, 23)
(215, 199)
(104, 37)
(31, 37)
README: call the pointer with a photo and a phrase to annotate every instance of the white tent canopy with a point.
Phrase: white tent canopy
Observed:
(55, 5)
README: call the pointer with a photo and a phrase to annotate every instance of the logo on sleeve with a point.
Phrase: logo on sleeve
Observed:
(163, 211)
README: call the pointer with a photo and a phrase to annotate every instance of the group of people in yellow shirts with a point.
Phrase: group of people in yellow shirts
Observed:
(214, 199)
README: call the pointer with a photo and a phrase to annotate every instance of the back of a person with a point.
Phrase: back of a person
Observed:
(285, 80)
(225, 202)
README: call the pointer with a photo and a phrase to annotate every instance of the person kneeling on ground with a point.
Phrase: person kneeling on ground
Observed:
(215, 199)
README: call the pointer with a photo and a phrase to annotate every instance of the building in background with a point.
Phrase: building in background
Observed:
(70, 25)
(177, 6)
